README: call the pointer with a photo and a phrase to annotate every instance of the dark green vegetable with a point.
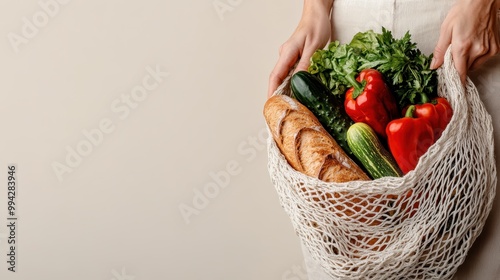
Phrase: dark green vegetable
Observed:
(404, 67)
(329, 109)
(368, 149)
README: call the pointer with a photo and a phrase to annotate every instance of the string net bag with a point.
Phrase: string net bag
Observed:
(419, 226)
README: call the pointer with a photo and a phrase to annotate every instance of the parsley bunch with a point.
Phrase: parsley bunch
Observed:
(405, 69)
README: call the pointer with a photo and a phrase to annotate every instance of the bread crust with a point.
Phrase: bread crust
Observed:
(306, 145)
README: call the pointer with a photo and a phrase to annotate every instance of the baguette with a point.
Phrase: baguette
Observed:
(310, 149)
(306, 145)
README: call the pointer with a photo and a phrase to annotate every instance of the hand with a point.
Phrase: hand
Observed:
(472, 29)
(312, 33)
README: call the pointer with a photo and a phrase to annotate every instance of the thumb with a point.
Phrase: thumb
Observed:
(439, 51)
(437, 58)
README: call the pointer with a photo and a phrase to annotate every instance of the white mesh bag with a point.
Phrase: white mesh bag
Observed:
(419, 226)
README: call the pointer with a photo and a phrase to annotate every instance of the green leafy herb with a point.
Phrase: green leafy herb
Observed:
(405, 69)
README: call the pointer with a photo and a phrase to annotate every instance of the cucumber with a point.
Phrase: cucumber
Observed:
(329, 109)
(368, 149)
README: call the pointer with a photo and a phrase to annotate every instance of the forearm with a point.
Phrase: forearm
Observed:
(493, 5)
(325, 3)
(312, 6)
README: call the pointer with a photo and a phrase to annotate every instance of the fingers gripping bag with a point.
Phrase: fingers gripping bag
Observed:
(418, 226)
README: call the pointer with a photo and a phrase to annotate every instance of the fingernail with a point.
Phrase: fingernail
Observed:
(433, 63)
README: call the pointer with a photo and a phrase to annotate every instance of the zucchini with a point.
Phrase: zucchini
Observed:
(368, 149)
(329, 109)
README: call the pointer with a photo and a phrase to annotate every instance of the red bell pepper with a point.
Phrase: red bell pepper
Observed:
(370, 101)
(437, 112)
(408, 139)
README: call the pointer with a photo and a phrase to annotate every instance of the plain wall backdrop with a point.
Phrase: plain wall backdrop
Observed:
(119, 115)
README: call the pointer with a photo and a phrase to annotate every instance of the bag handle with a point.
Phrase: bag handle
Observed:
(284, 87)
(449, 79)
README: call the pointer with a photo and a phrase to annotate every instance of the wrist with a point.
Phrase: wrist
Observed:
(324, 3)
(481, 3)
(480, 8)
(318, 7)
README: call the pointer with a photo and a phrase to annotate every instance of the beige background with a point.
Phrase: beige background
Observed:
(114, 214)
